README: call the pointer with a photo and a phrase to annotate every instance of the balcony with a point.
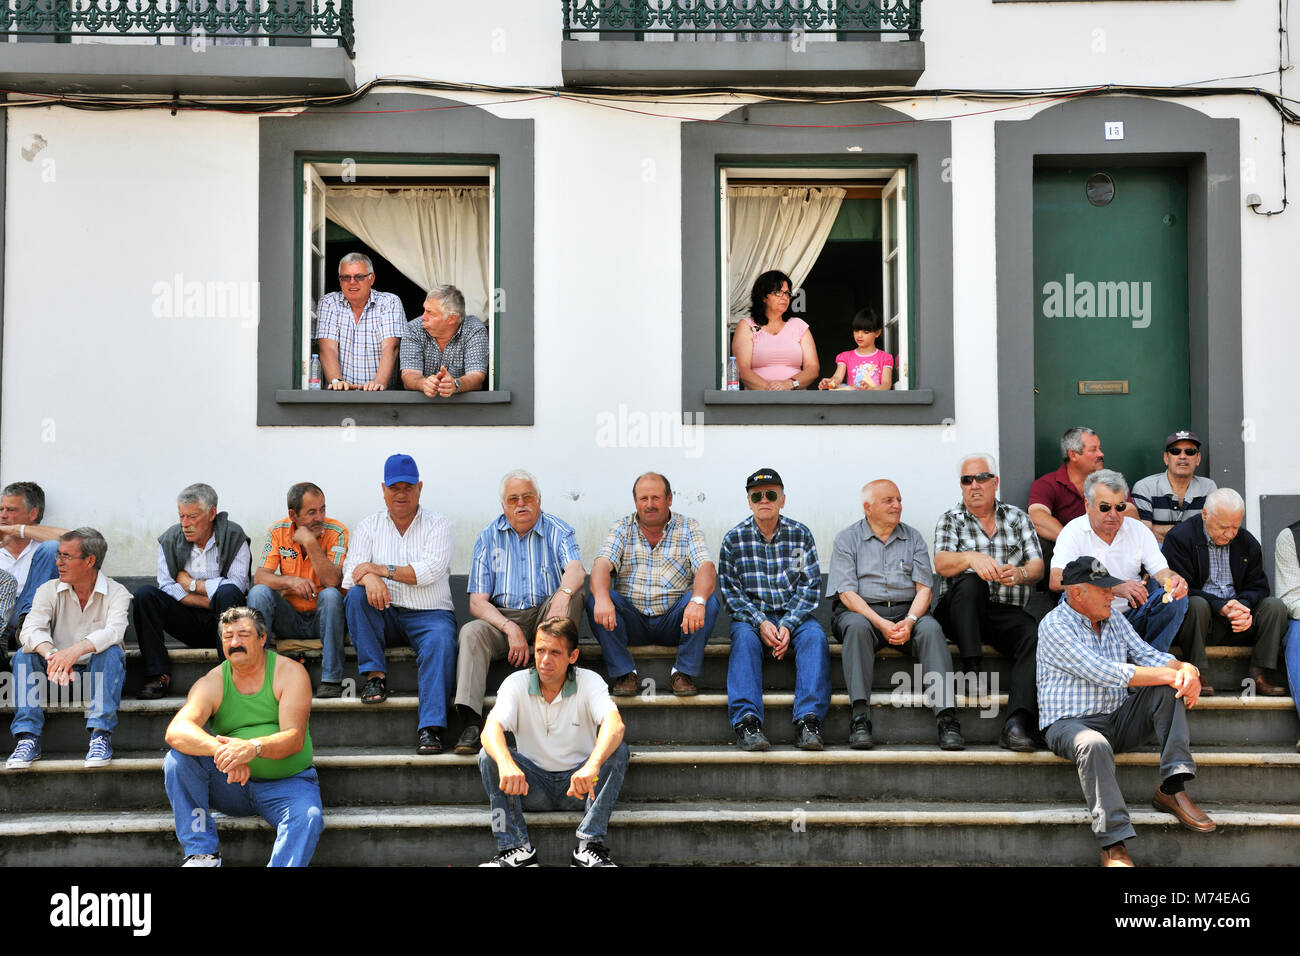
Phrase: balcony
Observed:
(750, 43)
(187, 47)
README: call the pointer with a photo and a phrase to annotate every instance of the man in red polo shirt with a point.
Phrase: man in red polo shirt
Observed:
(1056, 498)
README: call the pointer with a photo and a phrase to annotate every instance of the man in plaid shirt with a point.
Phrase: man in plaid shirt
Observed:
(987, 556)
(768, 575)
(663, 578)
(1089, 712)
(359, 329)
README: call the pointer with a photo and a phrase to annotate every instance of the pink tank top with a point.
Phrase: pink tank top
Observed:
(778, 356)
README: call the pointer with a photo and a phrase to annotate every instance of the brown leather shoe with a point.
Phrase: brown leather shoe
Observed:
(1266, 688)
(625, 686)
(683, 685)
(1206, 690)
(1181, 806)
(1116, 855)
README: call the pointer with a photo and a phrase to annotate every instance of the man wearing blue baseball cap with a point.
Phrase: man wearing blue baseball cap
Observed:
(397, 573)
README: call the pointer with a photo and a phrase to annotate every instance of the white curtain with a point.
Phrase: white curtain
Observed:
(432, 234)
(775, 227)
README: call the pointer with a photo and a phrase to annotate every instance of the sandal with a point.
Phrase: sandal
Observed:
(375, 691)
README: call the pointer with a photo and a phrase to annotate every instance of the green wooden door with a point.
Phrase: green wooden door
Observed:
(1111, 324)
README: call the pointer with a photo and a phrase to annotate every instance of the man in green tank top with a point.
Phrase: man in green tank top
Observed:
(256, 759)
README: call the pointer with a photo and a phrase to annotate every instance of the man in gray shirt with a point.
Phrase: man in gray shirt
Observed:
(880, 573)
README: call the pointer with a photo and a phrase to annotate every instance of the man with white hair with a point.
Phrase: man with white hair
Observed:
(526, 568)
(1224, 567)
(1126, 548)
(987, 557)
(359, 329)
(444, 351)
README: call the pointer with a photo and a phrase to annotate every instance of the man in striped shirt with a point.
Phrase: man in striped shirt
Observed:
(1088, 659)
(769, 577)
(526, 569)
(1178, 493)
(663, 578)
(397, 572)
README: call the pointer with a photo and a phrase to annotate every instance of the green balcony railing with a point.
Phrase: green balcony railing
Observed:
(840, 17)
(278, 21)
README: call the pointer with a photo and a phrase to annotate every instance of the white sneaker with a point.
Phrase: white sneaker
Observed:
(592, 854)
(519, 856)
(203, 859)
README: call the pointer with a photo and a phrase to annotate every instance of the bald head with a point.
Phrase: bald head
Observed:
(882, 504)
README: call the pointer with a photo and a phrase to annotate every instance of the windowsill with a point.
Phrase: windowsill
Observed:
(916, 396)
(299, 396)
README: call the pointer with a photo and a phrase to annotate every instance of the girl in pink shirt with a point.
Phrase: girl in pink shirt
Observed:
(865, 367)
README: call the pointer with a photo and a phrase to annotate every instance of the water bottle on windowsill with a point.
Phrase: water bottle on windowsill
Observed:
(733, 374)
(313, 377)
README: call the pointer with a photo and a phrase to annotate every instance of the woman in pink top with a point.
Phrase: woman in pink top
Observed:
(774, 350)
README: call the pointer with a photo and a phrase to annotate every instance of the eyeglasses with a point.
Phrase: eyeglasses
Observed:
(60, 556)
(515, 500)
(1189, 452)
(359, 277)
(981, 477)
(783, 293)
(1104, 507)
(770, 495)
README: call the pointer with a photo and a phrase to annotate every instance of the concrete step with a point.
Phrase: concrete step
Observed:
(711, 833)
(357, 777)
(1269, 722)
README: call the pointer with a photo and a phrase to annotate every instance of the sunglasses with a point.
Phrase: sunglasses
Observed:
(1104, 507)
(359, 277)
(1189, 452)
(982, 477)
(770, 495)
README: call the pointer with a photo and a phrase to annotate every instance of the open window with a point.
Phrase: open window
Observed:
(421, 224)
(839, 233)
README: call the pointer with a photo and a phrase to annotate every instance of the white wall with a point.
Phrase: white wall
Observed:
(113, 409)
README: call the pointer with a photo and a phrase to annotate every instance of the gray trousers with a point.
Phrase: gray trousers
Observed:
(861, 641)
(1202, 626)
(1091, 742)
(481, 644)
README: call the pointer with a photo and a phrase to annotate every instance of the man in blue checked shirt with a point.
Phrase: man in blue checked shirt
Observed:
(768, 575)
(526, 569)
(1103, 690)
(652, 582)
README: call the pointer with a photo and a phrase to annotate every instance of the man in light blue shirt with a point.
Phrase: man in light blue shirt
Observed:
(526, 568)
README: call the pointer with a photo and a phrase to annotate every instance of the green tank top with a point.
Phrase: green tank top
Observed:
(249, 716)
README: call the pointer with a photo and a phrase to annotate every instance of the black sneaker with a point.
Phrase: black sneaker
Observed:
(749, 734)
(468, 743)
(950, 731)
(808, 733)
(860, 733)
(593, 854)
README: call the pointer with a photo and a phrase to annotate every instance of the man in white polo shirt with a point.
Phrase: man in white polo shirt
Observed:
(1126, 548)
(570, 753)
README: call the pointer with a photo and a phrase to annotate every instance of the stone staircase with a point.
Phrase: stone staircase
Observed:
(690, 796)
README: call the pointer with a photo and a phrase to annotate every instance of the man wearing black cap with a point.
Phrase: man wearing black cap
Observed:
(1179, 493)
(399, 588)
(769, 577)
(1089, 715)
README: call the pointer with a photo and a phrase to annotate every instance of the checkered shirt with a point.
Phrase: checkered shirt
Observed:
(654, 579)
(466, 352)
(361, 342)
(779, 578)
(1081, 672)
(1219, 582)
(1015, 542)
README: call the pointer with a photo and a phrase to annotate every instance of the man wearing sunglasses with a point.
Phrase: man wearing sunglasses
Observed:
(987, 556)
(769, 577)
(1126, 548)
(359, 329)
(1179, 493)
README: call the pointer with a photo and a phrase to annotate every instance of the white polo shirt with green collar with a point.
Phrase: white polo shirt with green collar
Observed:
(562, 734)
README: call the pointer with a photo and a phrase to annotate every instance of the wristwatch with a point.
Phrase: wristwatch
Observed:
(194, 585)
(392, 569)
(568, 591)
(794, 384)
(698, 600)
(456, 382)
(257, 746)
(913, 618)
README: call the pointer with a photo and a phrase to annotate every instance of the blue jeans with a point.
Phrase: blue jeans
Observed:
(292, 805)
(431, 633)
(98, 686)
(812, 671)
(1157, 623)
(324, 624)
(547, 790)
(1291, 644)
(633, 627)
